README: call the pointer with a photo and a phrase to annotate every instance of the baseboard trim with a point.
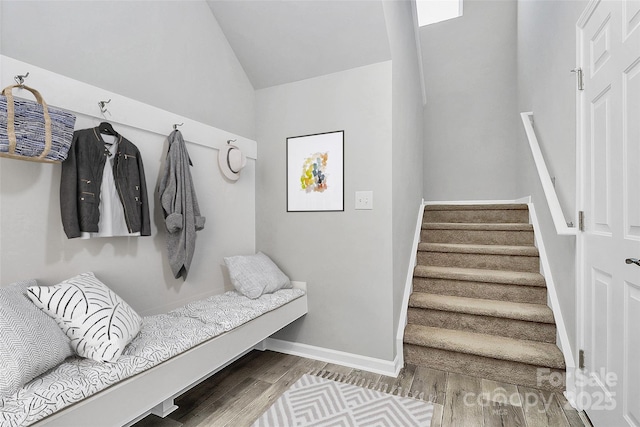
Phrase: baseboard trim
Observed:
(408, 288)
(554, 302)
(379, 366)
(472, 202)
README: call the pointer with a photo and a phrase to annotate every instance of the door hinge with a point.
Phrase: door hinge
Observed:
(581, 359)
(580, 77)
(581, 220)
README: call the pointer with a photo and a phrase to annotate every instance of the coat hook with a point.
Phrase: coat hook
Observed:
(175, 125)
(20, 78)
(103, 108)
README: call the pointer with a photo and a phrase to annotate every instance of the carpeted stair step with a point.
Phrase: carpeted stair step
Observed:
(480, 283)
(533, 322)
(493, 257)
(509, 213)
(493, 357)
(477, 233)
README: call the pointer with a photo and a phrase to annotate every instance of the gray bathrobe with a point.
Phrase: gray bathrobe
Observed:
(180, 206)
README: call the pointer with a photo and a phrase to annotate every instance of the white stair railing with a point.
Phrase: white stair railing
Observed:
(559, 220)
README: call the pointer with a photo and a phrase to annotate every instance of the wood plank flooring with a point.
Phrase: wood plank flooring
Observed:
(240, 393)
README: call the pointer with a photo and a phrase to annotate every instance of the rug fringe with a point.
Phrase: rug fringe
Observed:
(356, 379)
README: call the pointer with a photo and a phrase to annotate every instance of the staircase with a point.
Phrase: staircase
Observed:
(478, 305)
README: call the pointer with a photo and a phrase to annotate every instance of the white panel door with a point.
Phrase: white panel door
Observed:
(609, 52)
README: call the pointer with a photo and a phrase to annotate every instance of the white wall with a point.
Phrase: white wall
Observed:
(471, 113)
(280, 42)
(546, 53)
(407, 145)
(346, 257)
(171, 54)
(33, 244)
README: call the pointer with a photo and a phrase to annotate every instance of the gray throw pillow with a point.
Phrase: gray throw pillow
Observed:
(254, 275)
(31, 342)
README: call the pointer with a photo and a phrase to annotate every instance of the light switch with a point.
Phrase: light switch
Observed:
(364, 200)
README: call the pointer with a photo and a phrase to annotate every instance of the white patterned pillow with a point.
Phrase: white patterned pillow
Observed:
(98, 322)
(254, 275)
(30, 341)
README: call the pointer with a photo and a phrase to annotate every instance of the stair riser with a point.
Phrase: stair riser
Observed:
(483, 261)
(477, 216)
(483, 367)
(493, 291)
(511, 328)
(480, 237)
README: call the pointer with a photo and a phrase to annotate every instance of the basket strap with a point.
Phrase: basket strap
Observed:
(11, 131)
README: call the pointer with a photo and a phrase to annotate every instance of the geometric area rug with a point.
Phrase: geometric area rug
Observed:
(320, 402)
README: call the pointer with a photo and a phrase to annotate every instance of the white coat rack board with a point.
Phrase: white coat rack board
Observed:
(82, 98)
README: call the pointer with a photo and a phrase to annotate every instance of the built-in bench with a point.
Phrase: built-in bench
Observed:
(172, 353)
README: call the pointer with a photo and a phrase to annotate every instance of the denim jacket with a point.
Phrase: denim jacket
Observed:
(82, 177)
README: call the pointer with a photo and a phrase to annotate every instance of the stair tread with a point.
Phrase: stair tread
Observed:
(483, 307)
(480, 207)
(481, 275)
(466, 248)
(529, 352)
(480, 226)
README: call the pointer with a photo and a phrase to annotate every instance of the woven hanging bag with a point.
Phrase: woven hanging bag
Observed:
(32, 130)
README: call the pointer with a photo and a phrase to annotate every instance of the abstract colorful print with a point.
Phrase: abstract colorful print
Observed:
(313, 176)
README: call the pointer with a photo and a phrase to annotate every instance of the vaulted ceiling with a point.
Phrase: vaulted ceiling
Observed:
(284, 41)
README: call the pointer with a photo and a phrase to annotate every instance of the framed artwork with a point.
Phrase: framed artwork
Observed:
(315, 172)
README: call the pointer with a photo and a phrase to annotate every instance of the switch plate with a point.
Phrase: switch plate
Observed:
(364, 200)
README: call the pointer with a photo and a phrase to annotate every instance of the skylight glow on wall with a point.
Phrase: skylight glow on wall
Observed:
(432, 11)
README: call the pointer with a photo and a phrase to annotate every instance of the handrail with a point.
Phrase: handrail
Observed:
(559, 221)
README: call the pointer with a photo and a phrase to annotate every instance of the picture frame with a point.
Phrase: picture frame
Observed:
(315, 172)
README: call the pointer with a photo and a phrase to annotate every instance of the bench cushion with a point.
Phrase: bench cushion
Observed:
(161, 337)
